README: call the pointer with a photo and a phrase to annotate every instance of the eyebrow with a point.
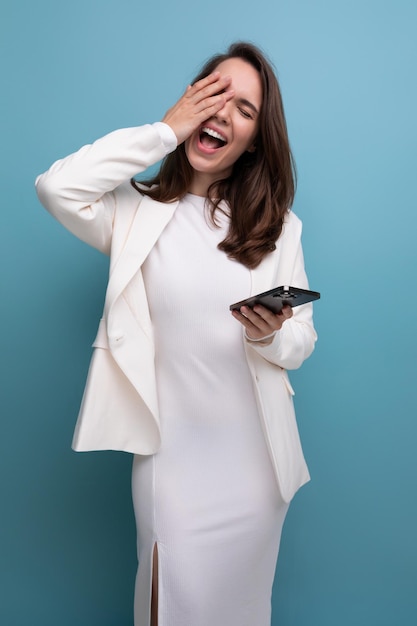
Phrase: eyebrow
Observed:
(249, 104)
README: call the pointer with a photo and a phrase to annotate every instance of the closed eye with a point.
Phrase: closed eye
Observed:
(245, 113)
(247, 108)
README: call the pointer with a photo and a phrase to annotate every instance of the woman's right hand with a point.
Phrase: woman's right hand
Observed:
(199, 102)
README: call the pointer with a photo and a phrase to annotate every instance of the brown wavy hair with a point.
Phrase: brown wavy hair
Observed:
(260, 189)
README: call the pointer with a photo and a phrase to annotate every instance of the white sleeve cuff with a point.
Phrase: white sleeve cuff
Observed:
(167, 136)
(267, 339)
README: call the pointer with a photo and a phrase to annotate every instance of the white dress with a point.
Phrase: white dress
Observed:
(208, 498)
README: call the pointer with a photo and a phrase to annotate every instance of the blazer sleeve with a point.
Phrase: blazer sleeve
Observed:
(295, 341)
(80, 191)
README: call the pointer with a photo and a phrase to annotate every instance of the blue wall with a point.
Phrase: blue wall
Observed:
(73, 71)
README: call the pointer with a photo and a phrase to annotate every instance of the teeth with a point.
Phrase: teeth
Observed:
(213, 133)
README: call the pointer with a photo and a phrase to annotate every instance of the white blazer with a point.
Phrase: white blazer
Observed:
(90, 194)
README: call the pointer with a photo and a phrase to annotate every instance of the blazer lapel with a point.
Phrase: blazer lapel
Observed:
(263, 276)
(149, 222)
(276, 268)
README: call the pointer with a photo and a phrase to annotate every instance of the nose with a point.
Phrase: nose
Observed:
(223, 115)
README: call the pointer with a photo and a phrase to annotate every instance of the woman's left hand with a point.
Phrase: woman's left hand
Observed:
(260, 322)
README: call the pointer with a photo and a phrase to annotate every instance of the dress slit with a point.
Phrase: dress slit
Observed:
(154, 587)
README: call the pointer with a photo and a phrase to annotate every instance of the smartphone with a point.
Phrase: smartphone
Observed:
(276, 298)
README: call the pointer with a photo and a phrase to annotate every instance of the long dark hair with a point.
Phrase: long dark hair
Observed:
(260, 189)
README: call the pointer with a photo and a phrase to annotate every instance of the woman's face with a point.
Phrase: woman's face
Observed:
(217, 144)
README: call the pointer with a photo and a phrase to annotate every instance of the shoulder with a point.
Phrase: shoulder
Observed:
(129, 196)
(129, 193)
(126, 200)
(292, 227)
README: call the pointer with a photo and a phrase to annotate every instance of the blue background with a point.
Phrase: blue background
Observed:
(71, 72)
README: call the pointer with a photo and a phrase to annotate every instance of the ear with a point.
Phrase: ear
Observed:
(252, 148)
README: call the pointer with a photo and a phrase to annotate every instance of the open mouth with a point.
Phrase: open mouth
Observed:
(210, 138)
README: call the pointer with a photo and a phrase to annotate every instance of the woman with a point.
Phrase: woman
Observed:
(199, 395)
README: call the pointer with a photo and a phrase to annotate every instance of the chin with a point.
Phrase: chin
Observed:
(206, 163)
